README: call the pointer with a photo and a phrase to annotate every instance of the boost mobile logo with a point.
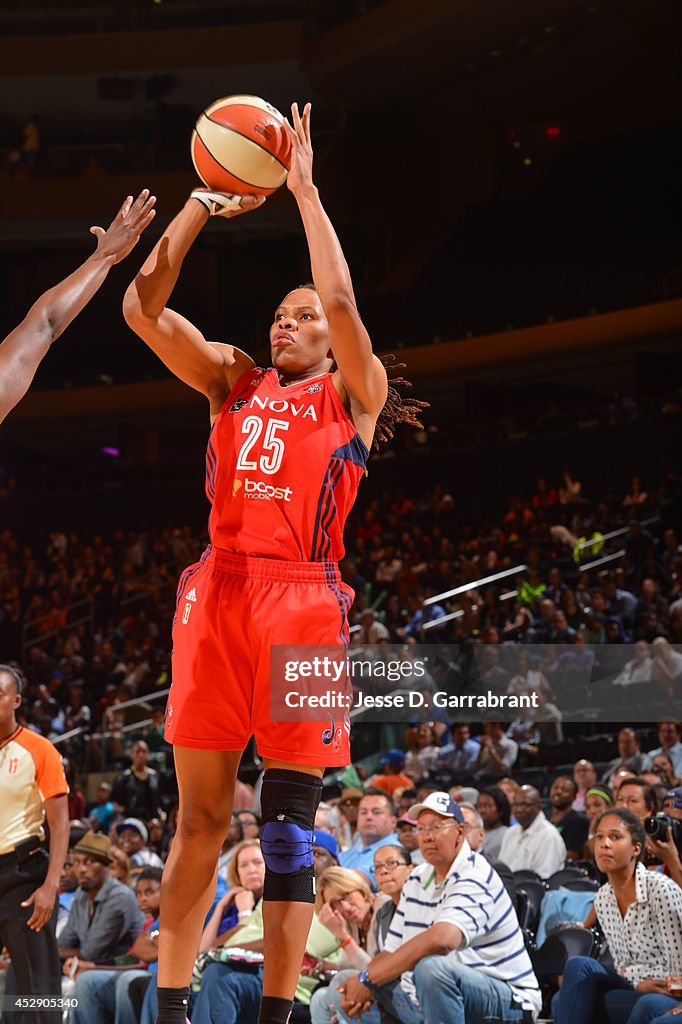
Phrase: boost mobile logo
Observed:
(259, 490)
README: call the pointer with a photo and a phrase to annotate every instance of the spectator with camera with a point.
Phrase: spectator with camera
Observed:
(664, 834)
(640, 914)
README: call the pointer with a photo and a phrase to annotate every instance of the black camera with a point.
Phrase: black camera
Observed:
(658, 824)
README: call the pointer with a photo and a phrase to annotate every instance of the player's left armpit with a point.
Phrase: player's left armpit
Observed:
(289, 801)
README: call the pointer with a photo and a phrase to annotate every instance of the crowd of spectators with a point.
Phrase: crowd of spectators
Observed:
(378, 846)
(516, 809)
(88, 614)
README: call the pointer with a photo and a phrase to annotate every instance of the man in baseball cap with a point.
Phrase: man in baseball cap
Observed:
(325, 851)
(133, 838)
(406, 827)
(438, 803)
(672, 801)
(349, 801)
(137, 825)
(454, 918)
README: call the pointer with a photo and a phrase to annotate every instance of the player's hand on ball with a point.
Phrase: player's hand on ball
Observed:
(301, 169)
(222, 204)
(123, 234)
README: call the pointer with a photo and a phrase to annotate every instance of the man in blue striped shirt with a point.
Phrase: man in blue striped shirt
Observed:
(454, 950)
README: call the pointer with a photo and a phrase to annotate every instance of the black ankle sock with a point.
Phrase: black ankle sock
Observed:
(172, 1005)
(274, 1010)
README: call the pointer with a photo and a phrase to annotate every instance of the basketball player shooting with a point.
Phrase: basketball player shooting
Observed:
(287, 450)
(23, 350)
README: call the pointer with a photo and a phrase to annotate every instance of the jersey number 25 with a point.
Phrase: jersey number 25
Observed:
(272, 445)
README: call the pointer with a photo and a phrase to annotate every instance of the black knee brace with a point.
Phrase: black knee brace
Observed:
(289, 801)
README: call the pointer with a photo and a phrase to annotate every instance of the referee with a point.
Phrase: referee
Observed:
(32, 788)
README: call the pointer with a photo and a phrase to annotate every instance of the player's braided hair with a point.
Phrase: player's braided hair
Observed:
(397, 409)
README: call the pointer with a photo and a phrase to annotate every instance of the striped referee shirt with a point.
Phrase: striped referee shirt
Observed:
(471, 897)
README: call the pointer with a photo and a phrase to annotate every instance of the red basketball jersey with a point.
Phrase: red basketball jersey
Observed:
(283, 466)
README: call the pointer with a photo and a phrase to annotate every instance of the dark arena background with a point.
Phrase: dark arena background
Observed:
(505, 179)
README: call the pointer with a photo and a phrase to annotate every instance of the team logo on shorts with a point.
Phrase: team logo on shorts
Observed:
(239, 404)
(185, 614)
(313, 389)
(333, 736)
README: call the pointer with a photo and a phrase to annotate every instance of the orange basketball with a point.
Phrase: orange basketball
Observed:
(239, 145)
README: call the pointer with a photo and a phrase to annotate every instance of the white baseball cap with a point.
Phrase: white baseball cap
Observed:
(439, 803)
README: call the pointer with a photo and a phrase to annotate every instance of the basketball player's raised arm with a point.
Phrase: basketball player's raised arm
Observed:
(207, 367)
(23, 350)
(362, 374)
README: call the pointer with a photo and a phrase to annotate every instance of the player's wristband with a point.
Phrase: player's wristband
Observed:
(217, 203)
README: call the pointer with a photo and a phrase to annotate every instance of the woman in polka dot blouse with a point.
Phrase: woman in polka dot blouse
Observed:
(640, 913)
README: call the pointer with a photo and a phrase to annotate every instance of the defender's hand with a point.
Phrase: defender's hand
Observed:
(123, 234)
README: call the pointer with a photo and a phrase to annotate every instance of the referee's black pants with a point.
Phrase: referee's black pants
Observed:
(35, 955)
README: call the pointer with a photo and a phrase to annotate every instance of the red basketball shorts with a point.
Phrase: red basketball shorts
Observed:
(230, 609)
